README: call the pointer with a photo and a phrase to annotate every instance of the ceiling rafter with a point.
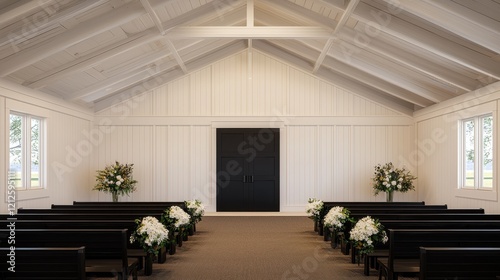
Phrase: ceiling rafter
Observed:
(70, 37)
(18, 9)
(24, 32)
(152, 14)
(244, 32)
(427, 40)
(345, 16)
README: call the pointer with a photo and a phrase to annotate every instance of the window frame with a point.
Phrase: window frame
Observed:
(14, 106)
(476, 192)
(26, 151)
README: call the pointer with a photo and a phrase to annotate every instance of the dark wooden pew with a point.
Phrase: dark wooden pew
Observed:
(165, 204)
(134, 250)
(382, 250)
(404, 246)
(90, 210)
(105, 249)
(440, 263)
(43, 263)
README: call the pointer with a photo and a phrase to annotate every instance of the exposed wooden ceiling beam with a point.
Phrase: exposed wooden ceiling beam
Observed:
(427, 40)
(83, 31)
(24, 32)
(93, 59)
(152, 14)
(345, 16)
(20, 8)
(449, 16)
(244, 32)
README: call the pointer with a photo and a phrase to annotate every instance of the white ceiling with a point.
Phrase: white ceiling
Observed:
(409, 54)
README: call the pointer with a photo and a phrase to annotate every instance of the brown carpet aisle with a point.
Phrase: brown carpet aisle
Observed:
(235, 248)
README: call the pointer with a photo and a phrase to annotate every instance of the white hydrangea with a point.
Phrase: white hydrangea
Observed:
(198, 209)
(336, 217)
(366, 231)
(153, 231)
(314, 207)
(181, 217)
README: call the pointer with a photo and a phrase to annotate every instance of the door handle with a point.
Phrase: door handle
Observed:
(251, 179)
(244, 179)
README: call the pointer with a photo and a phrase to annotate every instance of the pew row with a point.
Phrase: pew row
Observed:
(39, 263)
(440, 263)
(105, 249)
(404, 246)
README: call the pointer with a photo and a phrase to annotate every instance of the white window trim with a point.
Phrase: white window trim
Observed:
(14, 107)
(478, 193)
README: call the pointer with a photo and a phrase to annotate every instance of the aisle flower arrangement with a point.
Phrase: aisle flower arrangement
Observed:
(314, 208)
(389, 179)
(151, 234)
(174, 218)
(116, 179)
(336, 218)
(365, 234)
(195, 209)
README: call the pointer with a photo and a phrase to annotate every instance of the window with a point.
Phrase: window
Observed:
(26, 151)
(477, 153)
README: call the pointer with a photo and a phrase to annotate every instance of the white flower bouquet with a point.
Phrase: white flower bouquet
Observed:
(196, 209)
(387, 178)
(174, 218)
(314, 208)
(151, 234)
(366, 233)
(116, 179)
(336, 218)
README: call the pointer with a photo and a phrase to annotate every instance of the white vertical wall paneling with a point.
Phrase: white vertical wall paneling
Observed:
(342, 163)
(326, 162)
(200, 166)
(201, 92)
(302, 159)
(304, 94)
(179, 97)
(179, 171)
(161, 153)
(160, 97)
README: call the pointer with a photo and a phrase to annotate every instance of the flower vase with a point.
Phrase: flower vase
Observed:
(326, 234)
(194, 227)
(173, 247)
(315, 226)
(320, 228)
(178, 239)
(115, 197)
(191, 230)
(148, 265)
(389, 196)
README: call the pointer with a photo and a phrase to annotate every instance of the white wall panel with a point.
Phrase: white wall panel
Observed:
(201, 92)
(129, 145)
(303, 94)
(179, 169)
(302, 164)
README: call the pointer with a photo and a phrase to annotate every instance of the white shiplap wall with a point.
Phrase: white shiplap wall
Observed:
(436, 155)
(331, 138)
(68, 147)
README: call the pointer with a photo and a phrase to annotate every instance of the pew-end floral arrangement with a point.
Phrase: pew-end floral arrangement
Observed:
(314, 208)
(365, 234)
(116, 179)
(336, 218)
(175, 219)
(195, 209)
(151, 235)
(388, 178)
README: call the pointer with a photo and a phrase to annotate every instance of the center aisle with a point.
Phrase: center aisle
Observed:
(263, 247)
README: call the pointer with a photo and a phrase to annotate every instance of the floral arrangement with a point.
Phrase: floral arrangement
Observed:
(389, 179)
(151, 234)
(174, 218)
(314, 208)
(366, 233)
(195, 209)
(336, 218)
(116, 179)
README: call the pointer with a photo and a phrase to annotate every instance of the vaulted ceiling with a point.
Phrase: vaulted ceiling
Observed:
(408, 53)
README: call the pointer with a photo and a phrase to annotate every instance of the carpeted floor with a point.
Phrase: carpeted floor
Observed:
(235, 248)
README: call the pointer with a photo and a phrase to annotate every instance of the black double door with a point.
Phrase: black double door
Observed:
(248, 169)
